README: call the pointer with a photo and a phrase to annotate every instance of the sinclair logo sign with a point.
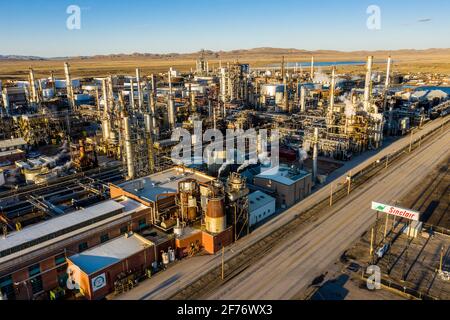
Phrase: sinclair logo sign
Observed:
(396, 211)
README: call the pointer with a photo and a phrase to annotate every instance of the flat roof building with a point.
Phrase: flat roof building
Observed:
(98, 271)
(33, 260)
(261, 206)
(289, 184)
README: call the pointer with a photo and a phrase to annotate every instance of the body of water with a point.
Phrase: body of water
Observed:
(426, 88)
(323, 64)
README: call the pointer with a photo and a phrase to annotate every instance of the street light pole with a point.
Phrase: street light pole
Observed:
(223, 259)
(411, 140)
(349, 178)
(331, 194)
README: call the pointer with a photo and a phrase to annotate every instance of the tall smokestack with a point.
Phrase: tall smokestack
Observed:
(388, 73)
(283, 72)
(140, 93)
(35, 96)
(285, 95)
(128, 147)
(332, 88)
(171, 105)
(152, 104)
(312, 68)
(132, 95)
(302, 99)
(69, 86)
(6, 101)
(387, 83)
(52, 79)
(368, 84)
(148, 136)
(315, 153)
(111, 94)
(106, 126)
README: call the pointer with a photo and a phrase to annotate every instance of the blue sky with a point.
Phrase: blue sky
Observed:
(38, 27)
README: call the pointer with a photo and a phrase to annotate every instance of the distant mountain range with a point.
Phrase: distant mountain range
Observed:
(242, 53)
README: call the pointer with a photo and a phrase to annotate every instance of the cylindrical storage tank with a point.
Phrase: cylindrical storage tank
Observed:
(171, 255)
(215, 218)
(30, 175)
(2, 178)
(48, 93)
(279, 97)
(165, 258)
(178, 231)
(192, 208)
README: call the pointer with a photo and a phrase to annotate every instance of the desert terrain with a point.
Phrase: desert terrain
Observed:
(12, 67)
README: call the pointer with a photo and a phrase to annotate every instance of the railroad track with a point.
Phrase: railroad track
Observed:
(209, 282)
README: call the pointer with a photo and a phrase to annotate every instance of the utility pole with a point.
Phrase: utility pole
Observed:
(371, 244)
(375, 242)
(386, 226)
(411, 140)
(223, 259)
(405, 263)
(331, 194)
(349, 179)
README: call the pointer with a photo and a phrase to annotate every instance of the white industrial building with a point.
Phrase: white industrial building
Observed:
(261, 206)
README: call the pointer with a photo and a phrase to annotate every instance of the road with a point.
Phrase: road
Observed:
(294, 264)
(165, 284)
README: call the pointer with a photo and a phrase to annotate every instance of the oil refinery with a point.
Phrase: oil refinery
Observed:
(304, 175)
(90, 157)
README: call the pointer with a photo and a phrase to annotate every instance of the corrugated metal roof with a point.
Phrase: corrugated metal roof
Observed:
(54, 225)
(259, 199)
(148, 188)
(11, 143)
(282, 175)
(109, 253)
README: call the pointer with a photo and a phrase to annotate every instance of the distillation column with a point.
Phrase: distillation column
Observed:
(332, 89)
(315, 153)
(368, 84)
(128, 146)
(69, 87)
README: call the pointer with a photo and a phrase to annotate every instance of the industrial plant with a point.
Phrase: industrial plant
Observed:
(92, 203)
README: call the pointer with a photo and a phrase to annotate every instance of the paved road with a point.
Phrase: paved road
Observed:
(165, 284)
(293, 265)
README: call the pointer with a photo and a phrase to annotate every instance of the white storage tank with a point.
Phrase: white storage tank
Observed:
(271, 89)
(2, 178)
(165, 258)
(61, 84)
(171, 255)
(48, 93)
